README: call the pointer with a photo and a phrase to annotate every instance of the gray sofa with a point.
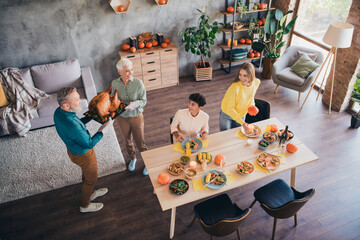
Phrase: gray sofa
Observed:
(52, 77)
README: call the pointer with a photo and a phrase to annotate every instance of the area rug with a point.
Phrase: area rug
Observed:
(39, 162)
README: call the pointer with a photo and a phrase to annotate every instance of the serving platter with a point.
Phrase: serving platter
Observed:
(257, 131)
(268, 161)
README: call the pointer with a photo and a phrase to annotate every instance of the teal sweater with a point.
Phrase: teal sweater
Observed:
(73, 132)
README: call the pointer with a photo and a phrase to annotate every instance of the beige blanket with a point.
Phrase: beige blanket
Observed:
(24, 100)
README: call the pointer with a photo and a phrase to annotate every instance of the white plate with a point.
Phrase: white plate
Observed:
(250, 135)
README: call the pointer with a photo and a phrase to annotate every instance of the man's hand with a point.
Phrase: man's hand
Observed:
(106, 126)
(180, 138)
(204, 135)
(133, 105)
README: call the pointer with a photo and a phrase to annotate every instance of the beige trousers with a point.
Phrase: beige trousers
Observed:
(132, 128)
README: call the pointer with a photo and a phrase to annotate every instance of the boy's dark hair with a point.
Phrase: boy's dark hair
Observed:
(198, 98)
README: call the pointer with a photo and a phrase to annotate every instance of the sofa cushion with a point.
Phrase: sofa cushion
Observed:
(304, 66)
(312, 56)
(287, 75)
(52, 77)
(48, 106)
(26, 75)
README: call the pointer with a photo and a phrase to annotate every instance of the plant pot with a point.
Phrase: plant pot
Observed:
(267, 67)
(355, 121)
(202, 74)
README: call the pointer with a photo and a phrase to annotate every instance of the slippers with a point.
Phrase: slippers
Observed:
(93, 207)
(98, 193)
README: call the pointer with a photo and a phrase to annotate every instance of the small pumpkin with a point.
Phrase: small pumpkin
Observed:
(125, 47)
(164, 178)
(141, 45)
(291, 148)
(154, 43)
(252, 110)
(242, 40)
(149, 45)
(133, 49)
(120, 8)
(219, 158)
(274, 128)
(167, 40)
(161, 2)
(164, 45)
(230, 9)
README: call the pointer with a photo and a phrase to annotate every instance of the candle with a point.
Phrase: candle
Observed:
(229, 42)
(193, 164)
(235, 42)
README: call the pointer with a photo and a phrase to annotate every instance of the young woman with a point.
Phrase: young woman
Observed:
(192, 121)
(238, 98)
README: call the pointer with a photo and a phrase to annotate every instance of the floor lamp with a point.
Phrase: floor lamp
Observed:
(338, 35)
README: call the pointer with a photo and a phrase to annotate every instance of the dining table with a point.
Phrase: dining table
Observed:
(235, 147)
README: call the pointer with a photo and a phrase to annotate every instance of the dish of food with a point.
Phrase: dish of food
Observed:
(290, 133)
(184, 160)
(253, 132)
(263, 144)
(268, 161)
(214, 179)
(175, 168)
(179, 186)
(270, 137)
(193, 144)
(190, 173)
(244, 167)
(202, 156)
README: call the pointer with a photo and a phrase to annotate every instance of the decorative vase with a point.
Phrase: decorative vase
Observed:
(267, 67)
(202, 74)
(355, 121)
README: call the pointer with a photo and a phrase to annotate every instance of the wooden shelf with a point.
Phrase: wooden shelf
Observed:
(225, 62)
(229, 30)
(226, 48)
(252, 11)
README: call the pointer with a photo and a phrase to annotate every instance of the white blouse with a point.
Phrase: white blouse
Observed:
(189, 126)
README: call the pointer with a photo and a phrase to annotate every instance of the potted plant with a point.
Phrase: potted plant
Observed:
(198, 40)
(275, 28)
(241, 8)
(355, 119)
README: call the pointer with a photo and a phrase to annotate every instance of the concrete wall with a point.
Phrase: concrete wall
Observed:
(44, 31)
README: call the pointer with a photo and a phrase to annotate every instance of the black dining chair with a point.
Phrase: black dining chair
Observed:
(219, 216)
(264, 111)
(280, 200)
(171, 136)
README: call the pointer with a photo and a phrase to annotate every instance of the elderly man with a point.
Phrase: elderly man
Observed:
(80, 144)
(131, 90)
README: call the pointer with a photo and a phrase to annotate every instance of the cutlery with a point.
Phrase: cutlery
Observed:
(211, 180)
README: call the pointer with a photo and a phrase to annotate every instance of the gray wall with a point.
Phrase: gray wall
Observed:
(44, 31)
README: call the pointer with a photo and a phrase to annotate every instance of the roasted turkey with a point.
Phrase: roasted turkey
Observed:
(105, 105)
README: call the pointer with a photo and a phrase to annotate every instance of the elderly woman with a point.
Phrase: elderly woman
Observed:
(131, 91)
(192, 121)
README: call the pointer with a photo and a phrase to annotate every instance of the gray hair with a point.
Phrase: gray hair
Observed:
(122, 63)
(63, 94)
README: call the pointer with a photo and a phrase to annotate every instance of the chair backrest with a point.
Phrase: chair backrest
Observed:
(292, 55)
(226, 226)
(171, 136)
(264, 112)
(291, 208)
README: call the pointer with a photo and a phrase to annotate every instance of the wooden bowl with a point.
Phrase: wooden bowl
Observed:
(237, 25)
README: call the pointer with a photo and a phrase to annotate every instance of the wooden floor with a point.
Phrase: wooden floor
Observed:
(131, 210)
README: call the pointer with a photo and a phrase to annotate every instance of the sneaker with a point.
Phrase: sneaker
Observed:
(98, 193)
(145, 172)
(93, 207)
(131, 166)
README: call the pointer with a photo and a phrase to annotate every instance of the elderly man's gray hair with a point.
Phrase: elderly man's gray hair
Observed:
(122, 63)
(63, 94)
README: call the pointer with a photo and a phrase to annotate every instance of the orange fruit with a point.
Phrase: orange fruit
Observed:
(291, 148)
(141, 45)
(219, 158)
(163, 178)
(125, 47)
(167, 40)
(164, 45)
(230, 9)
(148, 44)
(154, 43)
(252, 110)
(133, 49)
(120, 8)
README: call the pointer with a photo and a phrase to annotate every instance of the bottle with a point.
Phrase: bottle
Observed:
(283, 138)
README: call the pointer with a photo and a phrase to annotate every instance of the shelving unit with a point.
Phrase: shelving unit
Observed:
(227, 62)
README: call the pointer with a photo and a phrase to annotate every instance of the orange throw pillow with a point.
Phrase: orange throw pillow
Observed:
(3, 100)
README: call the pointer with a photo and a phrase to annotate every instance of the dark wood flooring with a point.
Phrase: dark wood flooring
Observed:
(131, 210)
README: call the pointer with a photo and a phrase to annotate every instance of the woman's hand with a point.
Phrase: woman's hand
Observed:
(204, 135)
(246, 128)
(180, 138)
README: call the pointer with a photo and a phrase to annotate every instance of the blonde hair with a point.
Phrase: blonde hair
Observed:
(122, 63)
(250, 70)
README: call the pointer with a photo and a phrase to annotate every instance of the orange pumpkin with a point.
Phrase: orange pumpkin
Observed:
(242, 40)
(257, 54)
(141, 45)
(163, 178)
(252, 110)
(167, 40)
(230, 9)
(291, 148)
(219, 158)
(248, 41)
(148, 44)
(133, 49)
(125, 47)
(262, 6)
(120, 8)
(274, 128)
(161, 2)
(154, 43)
(164, 45)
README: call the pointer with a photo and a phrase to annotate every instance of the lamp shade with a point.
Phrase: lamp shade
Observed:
(339, 34)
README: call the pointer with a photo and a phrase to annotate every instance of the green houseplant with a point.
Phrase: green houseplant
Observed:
(199, 40)
(355, 119)
(275, 28)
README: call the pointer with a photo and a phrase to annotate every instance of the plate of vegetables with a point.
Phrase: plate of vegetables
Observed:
(202, 156)
(194, 144)
(214, 179)
(179, 186)
(244, 167)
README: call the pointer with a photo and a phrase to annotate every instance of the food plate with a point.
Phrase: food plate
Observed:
(194, 141)
(179, 186)
(244, 167)
(290, 133)
(208, 157)
(268, 161)
(270, 137)
(216, 184)
(175, 168)
(102, 120)
(257, 131)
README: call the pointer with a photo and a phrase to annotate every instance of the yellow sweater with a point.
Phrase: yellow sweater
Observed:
(238, 98)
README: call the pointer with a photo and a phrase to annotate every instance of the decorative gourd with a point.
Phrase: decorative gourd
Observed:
(141, 45)
(154, 43)
(291, 148)
(219, 158)
(164, 45)
(125, 47)
(252, 110)
(149, 45)
(163, 178)
(274, 128)
(133, 49)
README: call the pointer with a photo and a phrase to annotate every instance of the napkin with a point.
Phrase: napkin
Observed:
(239, 134)
(177, 147)
(230, 177)
(204, 142)
(268, 127)
(198, 185)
